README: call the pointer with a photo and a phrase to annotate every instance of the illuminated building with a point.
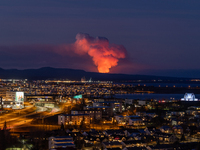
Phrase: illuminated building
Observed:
(115, 105)
(61, 142)
(14, 100)
(10, 96)
(112, 144)
(134, 120)
(3, 93)
(189, 97)
(94, 113)
(40, 98)
(73, 119)
(104, 111)
(83, 79)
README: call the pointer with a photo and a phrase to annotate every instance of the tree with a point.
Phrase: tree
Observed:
(4, 126)
(158, 121)
(3, 140)
(78, 142)
(182, 137)
(158, 142)
(4, 137)
(198, 146)
(82, 124)
(176, 144)
(62, 127)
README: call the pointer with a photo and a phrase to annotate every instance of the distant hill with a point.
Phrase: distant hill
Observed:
(72, 74)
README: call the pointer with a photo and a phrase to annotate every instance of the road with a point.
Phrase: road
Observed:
(20, 120)
(22, 117)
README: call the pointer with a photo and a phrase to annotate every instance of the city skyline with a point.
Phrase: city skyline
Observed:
(99, 75)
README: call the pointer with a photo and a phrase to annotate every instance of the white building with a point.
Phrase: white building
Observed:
(141, 102)
(189, 97)
(129, 101)
(120, 120)
(60, 142)
(134, 120)
(13, 100)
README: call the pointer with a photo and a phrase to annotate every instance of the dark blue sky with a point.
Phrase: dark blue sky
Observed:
(157, 34)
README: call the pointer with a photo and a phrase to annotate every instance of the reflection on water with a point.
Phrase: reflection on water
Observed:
(163, 84)
(144, 96)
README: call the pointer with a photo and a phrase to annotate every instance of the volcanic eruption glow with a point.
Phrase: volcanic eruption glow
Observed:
(104, 55)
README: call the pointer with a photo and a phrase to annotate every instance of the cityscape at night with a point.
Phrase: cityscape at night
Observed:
(99, 75)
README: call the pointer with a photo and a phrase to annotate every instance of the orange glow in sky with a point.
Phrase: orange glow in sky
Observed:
(103, 55)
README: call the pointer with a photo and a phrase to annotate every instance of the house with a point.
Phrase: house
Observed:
(120, 120)
(119, 138)
(66, 148)
(152, 115)
(150, 130)
(90, 140)
(112, 149)
(165, 129)
(132, 132)
(93, 137)
(141, 113)
(161, 147)
(148, 138)
(178, 129)
(111, 144)
(96, 133)
(165, 137)
(174, 122)
(135, 120)
(193, 110)
(77, 135)
(135, 148)
(175, 113)
(133, 143)
(114, 132)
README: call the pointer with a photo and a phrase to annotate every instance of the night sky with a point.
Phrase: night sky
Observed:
(161, 37)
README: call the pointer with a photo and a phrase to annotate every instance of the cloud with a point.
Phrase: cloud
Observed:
(103, 54)
(36, 56)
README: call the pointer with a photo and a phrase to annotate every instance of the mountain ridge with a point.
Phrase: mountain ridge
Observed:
(74, 74)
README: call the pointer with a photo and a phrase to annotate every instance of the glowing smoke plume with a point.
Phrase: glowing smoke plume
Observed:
(103, 54)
